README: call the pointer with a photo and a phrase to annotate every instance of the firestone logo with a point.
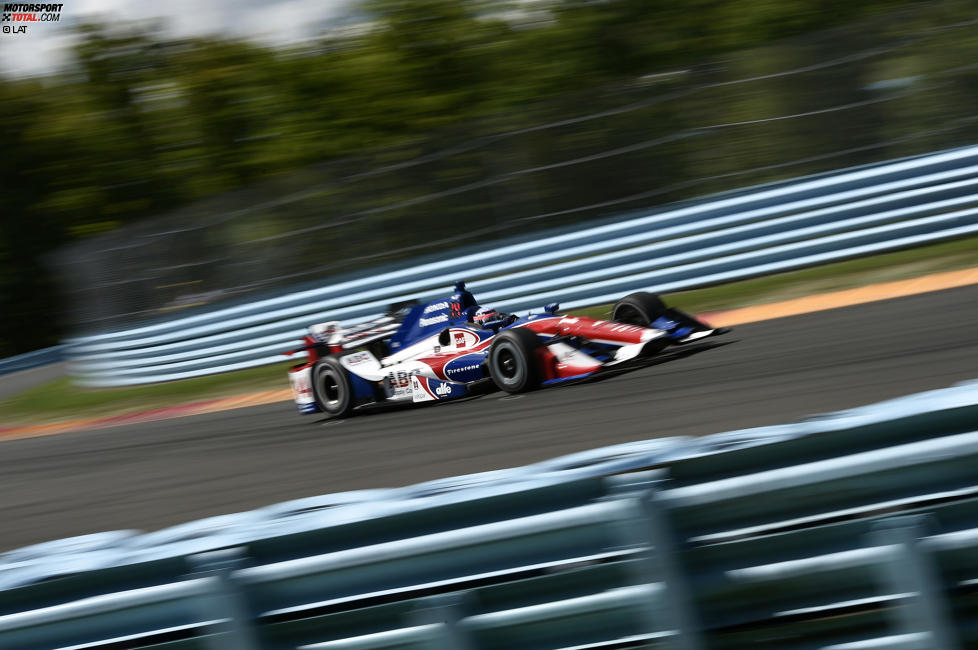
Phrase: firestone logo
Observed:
(17, 15)
(468, 368)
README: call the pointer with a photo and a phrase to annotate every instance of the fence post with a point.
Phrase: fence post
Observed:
(910, 571)
(226, 604)
(662, 562)
(445, 611)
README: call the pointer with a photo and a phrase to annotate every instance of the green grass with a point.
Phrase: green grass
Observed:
(61, 400)
(887, 267)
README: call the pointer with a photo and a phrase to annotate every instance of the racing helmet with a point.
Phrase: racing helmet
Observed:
(486, 315)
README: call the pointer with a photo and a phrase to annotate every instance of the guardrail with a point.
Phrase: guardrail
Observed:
(30, 360)
(754, 232)
(853, 530)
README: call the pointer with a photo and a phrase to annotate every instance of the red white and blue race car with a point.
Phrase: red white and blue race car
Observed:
(451, 348)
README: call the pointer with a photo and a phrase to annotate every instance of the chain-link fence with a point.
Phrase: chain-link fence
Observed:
(836, 99)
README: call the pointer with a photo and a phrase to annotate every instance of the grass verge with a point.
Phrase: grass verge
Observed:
(861, 272)
(61, 400)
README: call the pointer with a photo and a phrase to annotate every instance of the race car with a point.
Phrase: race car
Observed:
(452, 348)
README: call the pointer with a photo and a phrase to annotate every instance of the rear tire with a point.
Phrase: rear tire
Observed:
(639, 308)
(331, 388)
(512, 360)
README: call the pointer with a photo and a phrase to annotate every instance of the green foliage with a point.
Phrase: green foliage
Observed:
(142, 124)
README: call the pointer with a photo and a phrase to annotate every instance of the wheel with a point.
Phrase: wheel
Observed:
(512, 360)
(331, 388)
(639, 308)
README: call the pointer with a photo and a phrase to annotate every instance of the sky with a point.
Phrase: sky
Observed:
(44, 48)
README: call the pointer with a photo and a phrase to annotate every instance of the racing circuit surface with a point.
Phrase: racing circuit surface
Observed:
(157, 474)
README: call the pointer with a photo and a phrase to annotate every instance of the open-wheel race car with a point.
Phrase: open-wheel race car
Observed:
(452, 348)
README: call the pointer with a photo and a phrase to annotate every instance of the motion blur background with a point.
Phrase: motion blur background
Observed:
(153, 171)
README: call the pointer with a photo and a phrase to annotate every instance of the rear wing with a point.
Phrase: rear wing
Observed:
(369, 332)
(341, 340)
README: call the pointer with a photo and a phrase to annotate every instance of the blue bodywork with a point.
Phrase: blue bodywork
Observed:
(430, 318)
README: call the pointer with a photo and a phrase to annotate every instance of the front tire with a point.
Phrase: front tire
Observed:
(512, 360)
(640, 308)
(331, 388)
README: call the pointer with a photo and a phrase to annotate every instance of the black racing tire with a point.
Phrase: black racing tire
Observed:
(512, 360)
(640, 308)
(331, 388)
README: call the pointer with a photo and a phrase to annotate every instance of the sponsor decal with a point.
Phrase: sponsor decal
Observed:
(302, 390)
(16, 16)
(301, 386)
(568, 321)
(443, 389)
(440, 318)
(465, 367)
(462, 338)
(400, 379)
(357, 358)
(418, 391)
(460, 369)
(438, 306)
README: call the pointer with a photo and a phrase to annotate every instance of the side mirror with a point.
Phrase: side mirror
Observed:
(444, 338)
(551, 308)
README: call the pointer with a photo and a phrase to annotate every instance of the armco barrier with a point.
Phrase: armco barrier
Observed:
(853, 530)
(29, 360)
(754, 232)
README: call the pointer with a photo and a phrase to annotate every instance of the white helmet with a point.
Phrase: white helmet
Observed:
(485, 315)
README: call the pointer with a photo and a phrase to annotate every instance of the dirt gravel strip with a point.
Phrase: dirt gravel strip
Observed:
(846, 298)
(756, 313)
(165, 413)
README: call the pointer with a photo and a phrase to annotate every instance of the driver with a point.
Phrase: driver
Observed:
(488, 318)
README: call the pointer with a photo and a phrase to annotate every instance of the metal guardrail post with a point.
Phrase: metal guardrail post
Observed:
(445, 611)
(226, 603)
(652, 530)
(910, 571)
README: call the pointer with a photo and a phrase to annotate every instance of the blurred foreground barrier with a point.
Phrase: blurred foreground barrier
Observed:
(849, 531)
(752, 232)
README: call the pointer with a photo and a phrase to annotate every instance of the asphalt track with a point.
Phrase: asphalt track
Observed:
(157, 474)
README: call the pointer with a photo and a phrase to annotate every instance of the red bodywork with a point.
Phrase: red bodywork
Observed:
(601, 331)
(312, 348)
